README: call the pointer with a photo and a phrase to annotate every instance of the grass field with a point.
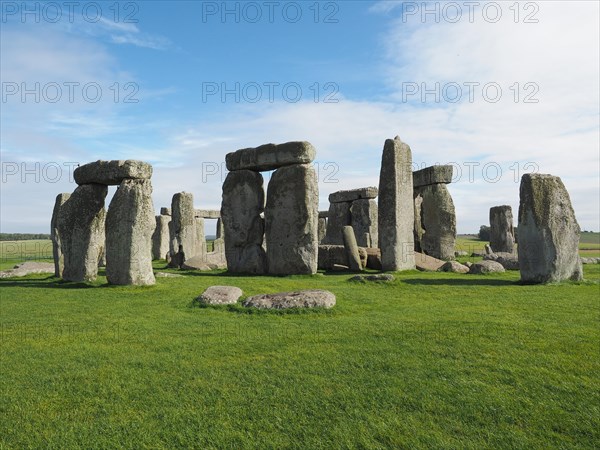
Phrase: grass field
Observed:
(430, 360)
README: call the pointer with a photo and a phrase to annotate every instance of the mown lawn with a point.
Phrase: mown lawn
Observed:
(430, 360)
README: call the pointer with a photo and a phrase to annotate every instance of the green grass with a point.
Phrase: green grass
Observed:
(431, 360)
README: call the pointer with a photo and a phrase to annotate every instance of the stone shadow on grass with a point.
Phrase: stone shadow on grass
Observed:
(460, 282)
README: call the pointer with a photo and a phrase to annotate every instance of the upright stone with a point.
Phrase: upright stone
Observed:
(322, 229)
(435, 221)
(548, 231)
(54, 235)
(364, 221)
(130, 223)
(160, 238)
(351, 248)
(291, 220)
(80, 226)
(502, 234)
(396, 210)
(338, 217)
(243, 202)
(182, 229)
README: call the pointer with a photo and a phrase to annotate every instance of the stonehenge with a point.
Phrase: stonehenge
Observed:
(160, 238)
(395, 208)
(290, 222)
(548, 231)
(357, 208)
(502, 234)
(182, 228)
(435, 217)
(57, 253)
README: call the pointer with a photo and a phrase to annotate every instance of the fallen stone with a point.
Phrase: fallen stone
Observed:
(196, 263)
(510, 261)
(353, 194)
(167, 275)
(112, 173)
(454, 266)
(312, 298)
(57, 254)
(432, 175)
(27, 268)
(378, 277)
(590, 260)
(220, 295)
(270, 156)
(427, 263)
(485, 267)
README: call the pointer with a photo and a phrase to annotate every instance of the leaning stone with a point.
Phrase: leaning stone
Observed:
(183, 233)
(396, 211)
(291, 220)
(454, 266)
(435, 221)
(165, 211)
(220, 295)
(130, 223)
(427, 263)
(112, 172)
(432, 175)
(364, 221)
(54, 235)
(548, 231)
(243, 202)
(80, 226)
(502, 234)
(486, 266)
(378, 277)
(312, 298)
(160, 237)
(353, 194)
(351, 249)
(270, 156)
(339, 216)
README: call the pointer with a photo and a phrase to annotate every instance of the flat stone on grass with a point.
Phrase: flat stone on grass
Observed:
(220, 295)
(312, 298)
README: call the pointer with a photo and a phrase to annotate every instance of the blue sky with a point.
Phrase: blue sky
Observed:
(367, 65)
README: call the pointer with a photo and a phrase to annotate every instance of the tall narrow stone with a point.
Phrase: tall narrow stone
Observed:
(200, 237)
(243, 202)
(351, 248)
(435, 221)
(130, 223)
(54, 235)
(548, 231)
(502, 234)
(396, 210)
(80, 226)
(291, 220)
(160, 238)
(322, 229)
(339, 216)
(182, 229)
(364, 221)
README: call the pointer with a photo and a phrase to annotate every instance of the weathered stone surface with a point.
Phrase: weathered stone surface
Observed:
(435, 221)
(291, 220)
(353, 194)
(502, 234)
(216, 260)
(321, 229)
(339, 217)
(220, 228)
(200, 237)
(351, 248)
(164, 211)
(453, 266)
(330, 255)
(182, 228)
(80, 226)
(208, 213)
(396, 211)
(196, 263)
(427, 263)
(378, 277)
(486, 266)
(373, 258)
(312, 298)
(220, 295)
(432, 175)
(55, 237)
(323, 214)
(510, 261)
(488, 249)
(243, 202)
(363, 256)
(548, 231)
(27, 268)
(160, 237)
(112, 172)
(130, 223)
(271, 156)
(364, 222)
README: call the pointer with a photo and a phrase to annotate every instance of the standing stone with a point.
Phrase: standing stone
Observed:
(54, 235)
(243, 202)
(548, 231)
(502, 234)
(338, 217)
(322, 229)
(351, 248)
(80, 226)
(160, 238)
(200, 237)
(182, 228)
(435, 221)
(291, 220)
(130, 223)
(396, 210)
(364, 221)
